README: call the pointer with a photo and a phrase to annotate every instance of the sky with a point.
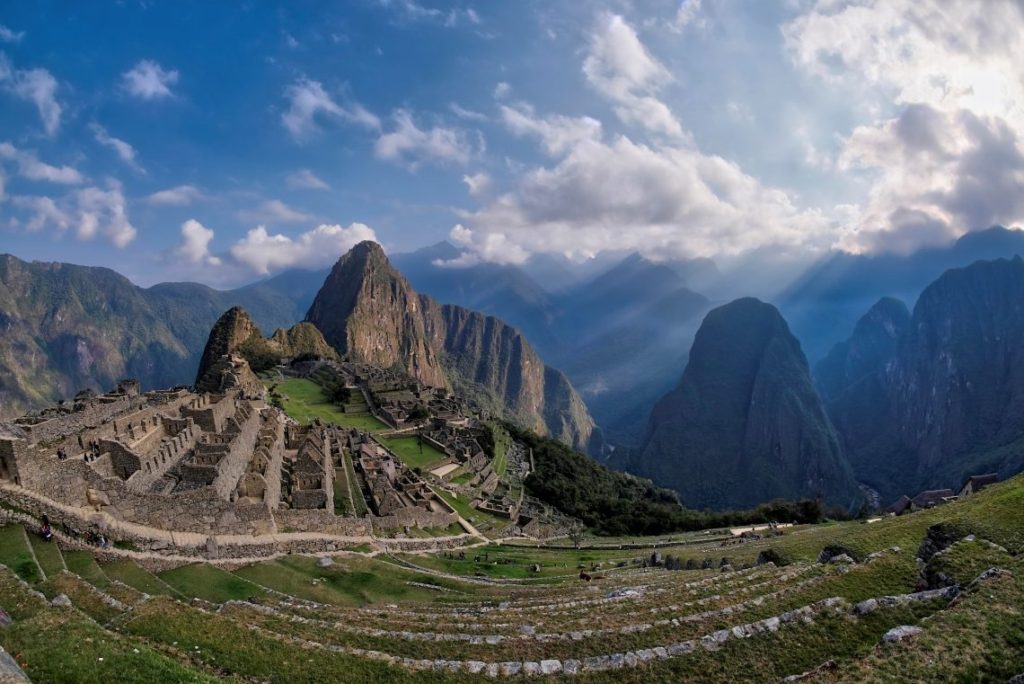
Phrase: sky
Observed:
(226, 142)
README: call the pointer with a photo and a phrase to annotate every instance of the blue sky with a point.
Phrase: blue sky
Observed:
(204, 141)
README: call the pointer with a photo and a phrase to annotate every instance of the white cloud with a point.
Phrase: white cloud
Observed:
(37, 86)
(620, 67)
(195, 244)
(273, 211)
(622, 195)
(478, 184)
(688, 14)
(308, 102)
(502, 90)
(44, 212)
(149, 81)
(557, 133)
(31, 168)
(91, 211)
(9, 36)
(943, 153)
(410, 145)
(467, 114)
(178, 196)
(264, 253)
(104, 211)
(306, 179)
(125, 151)
(412, 11)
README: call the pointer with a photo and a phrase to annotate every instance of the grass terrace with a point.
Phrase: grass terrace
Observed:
(412, 452)
(304, 400)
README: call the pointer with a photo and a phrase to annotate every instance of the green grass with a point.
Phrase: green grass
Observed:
(81, 594)
(462, 478)
(304, 400)
(348, 582)
(342, 505)
(139, 578)
(210, 584)
(15, 553)
(358, 500)
(222, 643)
(502, 442)
(47, 554)
(62, 645)
(462, 507)
(84, 565)
(412, 453)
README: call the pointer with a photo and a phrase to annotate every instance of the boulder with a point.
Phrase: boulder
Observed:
(324, 562)
(61, 600)
(897, 634)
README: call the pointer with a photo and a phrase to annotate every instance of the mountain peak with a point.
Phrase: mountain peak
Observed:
(231, 330)
(745, 424)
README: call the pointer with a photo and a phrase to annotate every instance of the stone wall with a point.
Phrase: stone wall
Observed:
(412, 516)
(322, 521)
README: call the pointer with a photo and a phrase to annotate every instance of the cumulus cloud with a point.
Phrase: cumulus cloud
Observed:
(37, 86)
(10, 36)
(410, 145)
(622, 195)
(195, 244)
(149, 81)
(478, 184)
(31, 168)
(124, 151)
(309, 103)
(620, 67)
(91, 212)
(306, 179)
(178, 196)
(264, 253)
(273, 211)
(557, 133)
(943, 155)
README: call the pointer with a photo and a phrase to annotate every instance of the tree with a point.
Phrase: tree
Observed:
(577, 530)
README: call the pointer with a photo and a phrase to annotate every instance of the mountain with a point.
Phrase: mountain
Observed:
(500, 290)
(64, 328)
(744, 425)
(236, 333)
(947, 399)
(824, 303)
(369, 312)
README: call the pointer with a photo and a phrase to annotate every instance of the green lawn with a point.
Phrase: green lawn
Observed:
(412, 453)
(15, 553)
(304, 400)
(210, 583)
(48, 554)
(351, 582)
(502, 441)
(84, 565)
(139, 578)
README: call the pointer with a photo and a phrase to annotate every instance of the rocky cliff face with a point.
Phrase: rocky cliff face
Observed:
(231, 331)
(370, 313)
(235, 334)
(745, 424)
(948, 400)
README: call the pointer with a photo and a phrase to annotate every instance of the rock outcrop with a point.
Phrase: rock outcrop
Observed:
(236, 348)
(745, 424)
(370, 313)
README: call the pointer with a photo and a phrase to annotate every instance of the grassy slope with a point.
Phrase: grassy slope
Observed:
(412, 453)
(304, 400)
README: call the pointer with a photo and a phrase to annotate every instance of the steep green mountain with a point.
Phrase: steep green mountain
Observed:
(64, 328)
(745, 424)
(369, 312)
(948, 400)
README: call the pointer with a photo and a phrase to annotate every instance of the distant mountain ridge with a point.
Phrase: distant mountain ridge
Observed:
(824, 303)
(65, 327)
(369, 312)
(938, 396)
